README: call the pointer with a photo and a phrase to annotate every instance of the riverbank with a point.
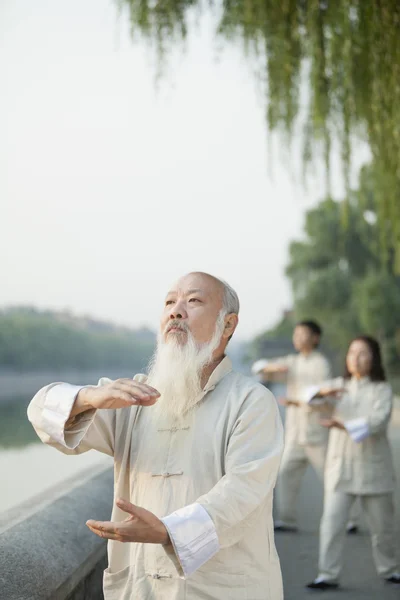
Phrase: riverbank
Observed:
(14, 384)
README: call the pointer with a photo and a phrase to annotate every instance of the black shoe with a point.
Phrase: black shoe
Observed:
(393, 579)
(285, 528)
(322, 585)
(352, 529)
(280, 526)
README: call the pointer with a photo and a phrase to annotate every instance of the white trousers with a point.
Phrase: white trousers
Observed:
(295, 460)
(379, 512)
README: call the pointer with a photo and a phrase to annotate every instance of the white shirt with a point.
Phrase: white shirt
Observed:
(210, 478)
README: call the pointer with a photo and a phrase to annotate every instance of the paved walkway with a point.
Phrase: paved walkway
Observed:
(299, 552)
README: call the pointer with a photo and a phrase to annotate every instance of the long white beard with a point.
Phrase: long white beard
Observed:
(176, 371)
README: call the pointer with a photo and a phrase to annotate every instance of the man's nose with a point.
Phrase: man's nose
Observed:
(178, 311)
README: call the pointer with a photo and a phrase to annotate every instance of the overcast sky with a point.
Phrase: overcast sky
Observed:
(110, 189)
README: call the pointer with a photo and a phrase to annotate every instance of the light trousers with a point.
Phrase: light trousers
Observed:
(379, 512)
(295, 460)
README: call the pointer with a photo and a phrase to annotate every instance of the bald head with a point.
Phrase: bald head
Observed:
(196, 301)
(230, 300)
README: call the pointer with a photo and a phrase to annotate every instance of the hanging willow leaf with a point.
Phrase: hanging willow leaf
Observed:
(349, 53)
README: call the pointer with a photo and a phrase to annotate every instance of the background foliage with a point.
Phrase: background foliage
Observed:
(31, 340)
(345, 53)
(337, 278)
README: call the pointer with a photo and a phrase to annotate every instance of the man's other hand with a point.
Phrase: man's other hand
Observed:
(141, 526)
(288, 402)
(333, 422)
(329, 391)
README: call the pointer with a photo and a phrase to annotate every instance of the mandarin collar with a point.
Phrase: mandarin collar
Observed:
(224, 367)
(309, 356)
(360, 381)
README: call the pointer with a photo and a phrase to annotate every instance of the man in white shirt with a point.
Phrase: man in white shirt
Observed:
(196, 453)
(305, 439)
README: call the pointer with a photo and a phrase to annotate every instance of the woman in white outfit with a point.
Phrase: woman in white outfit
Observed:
(359, 464)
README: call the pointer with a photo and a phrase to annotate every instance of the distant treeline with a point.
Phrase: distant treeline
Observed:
(340, 278)
(32, 340)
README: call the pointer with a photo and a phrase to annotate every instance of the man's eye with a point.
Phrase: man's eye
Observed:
(194, 300)
(168, 302)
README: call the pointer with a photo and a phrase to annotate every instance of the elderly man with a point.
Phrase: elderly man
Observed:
(196, 452)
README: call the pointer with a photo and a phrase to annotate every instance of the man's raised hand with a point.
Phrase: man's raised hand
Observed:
(116, 394)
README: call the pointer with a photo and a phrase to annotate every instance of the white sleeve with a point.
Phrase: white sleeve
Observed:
(193, 536)
(357, 429)
(49, 412)
(57, 407)
(283, 361)
(259, 365)
(308, 393)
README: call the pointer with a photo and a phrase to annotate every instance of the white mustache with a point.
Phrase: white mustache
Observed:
(176, 325)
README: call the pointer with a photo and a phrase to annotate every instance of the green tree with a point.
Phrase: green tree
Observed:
(282, 331)
(337, 277)
(378, 306)
(347, 52)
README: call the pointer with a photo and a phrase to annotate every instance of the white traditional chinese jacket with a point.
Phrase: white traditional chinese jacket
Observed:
(359, 459)
(210, 478)
(302, 424)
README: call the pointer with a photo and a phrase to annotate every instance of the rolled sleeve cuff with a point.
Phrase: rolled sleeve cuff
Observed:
(357, 429)
(259, 365)
(308, 395)
(57, 409)
(193, 536)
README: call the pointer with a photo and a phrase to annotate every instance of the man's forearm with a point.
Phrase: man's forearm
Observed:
(288, 402)
(81, 403)
(274, 368)
(293, 402)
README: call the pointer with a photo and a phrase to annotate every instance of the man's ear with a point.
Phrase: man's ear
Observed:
(231, 322)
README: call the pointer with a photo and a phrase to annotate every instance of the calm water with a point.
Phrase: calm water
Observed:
(28, 467)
